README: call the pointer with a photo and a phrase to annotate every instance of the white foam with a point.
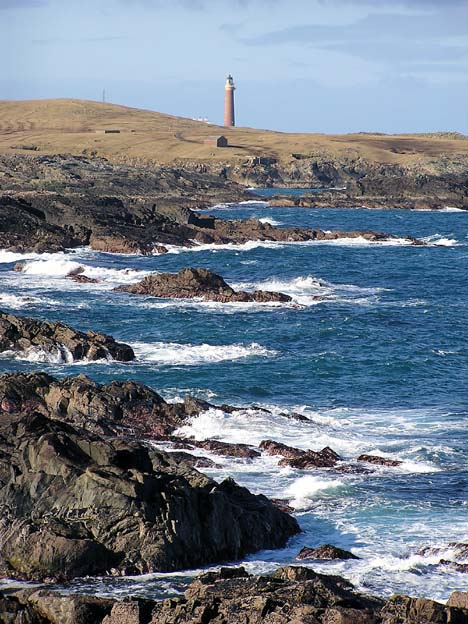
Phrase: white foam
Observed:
(303, 490)
(250, 203)
(270, 221)
(57, 267)
(61, 267)
(453, 209)
(305, 289)
(59, 355)
(19, 301)
(171, 353)
(438, 240)
(248, 246)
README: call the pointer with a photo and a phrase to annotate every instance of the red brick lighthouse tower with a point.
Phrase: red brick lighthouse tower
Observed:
(229, 88)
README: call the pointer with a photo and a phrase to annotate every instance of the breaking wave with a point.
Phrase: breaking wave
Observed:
(170, 353)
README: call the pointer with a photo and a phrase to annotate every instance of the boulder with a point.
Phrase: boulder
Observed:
(74, 503)
(28, 335)
(198, 283)
(325, 552)
(326, 458)
(277, 448)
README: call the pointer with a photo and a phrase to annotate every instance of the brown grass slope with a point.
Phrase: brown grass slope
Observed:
(76, 126)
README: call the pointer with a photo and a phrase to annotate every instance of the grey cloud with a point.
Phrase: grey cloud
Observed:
(381, 37)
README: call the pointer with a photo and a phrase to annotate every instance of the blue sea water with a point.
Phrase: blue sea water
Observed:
(379, 365)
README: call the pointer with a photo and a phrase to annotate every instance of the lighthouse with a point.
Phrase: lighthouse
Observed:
(229, 88)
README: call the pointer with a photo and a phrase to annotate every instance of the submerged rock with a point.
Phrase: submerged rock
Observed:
(325, 552)
(380, 461)
(73, 503)
(28, 335)
(190, 283)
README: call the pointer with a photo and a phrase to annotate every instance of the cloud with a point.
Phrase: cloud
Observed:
(391, 38)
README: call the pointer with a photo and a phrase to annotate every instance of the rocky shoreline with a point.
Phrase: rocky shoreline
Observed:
(292, 595)
(52, 203)
(85, 485)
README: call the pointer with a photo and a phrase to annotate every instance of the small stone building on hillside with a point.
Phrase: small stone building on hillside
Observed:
(216, 141)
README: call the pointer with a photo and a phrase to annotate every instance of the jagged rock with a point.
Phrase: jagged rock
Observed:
(192, 460)
(23, 334)
(460, 549)
(458, 599)
(277, 448)
(406, 610)
(226, 448)
(74, 503)
(190, 283)
(293, 595)
(120, 407)
(325, 552)
(326, 458)
(31, 606)
(380, 461)
(283, 504)
(83, 279)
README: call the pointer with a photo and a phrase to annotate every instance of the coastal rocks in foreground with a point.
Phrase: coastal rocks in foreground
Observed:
(192, 283)
(292, 595)
(73, 503)
(58, 341)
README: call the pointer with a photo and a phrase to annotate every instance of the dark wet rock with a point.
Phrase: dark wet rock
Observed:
(407, 610)
(22, 334)
(117, 408)
(83, 279)
(229, 449)
(283, 504)
(160, 249)
(325, 552)
(295, 416)
(201, 283)
(73, 503)
(326, 458)
(192, 460)
(379, 461)
(293, 595)
(460, 550)
(277, 448)
(353, 469)
(454, 565)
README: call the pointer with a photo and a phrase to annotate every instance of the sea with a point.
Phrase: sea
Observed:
(373, 351)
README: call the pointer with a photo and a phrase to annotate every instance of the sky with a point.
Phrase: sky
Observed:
(333, 66)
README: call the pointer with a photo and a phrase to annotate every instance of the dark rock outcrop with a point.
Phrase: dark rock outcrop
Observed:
(23, 334)
(380, 461)
(117, 408)
(190, 283)
(327, 551)
(73, 503)
(291, 595)
(326, 458)
(53, 202)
